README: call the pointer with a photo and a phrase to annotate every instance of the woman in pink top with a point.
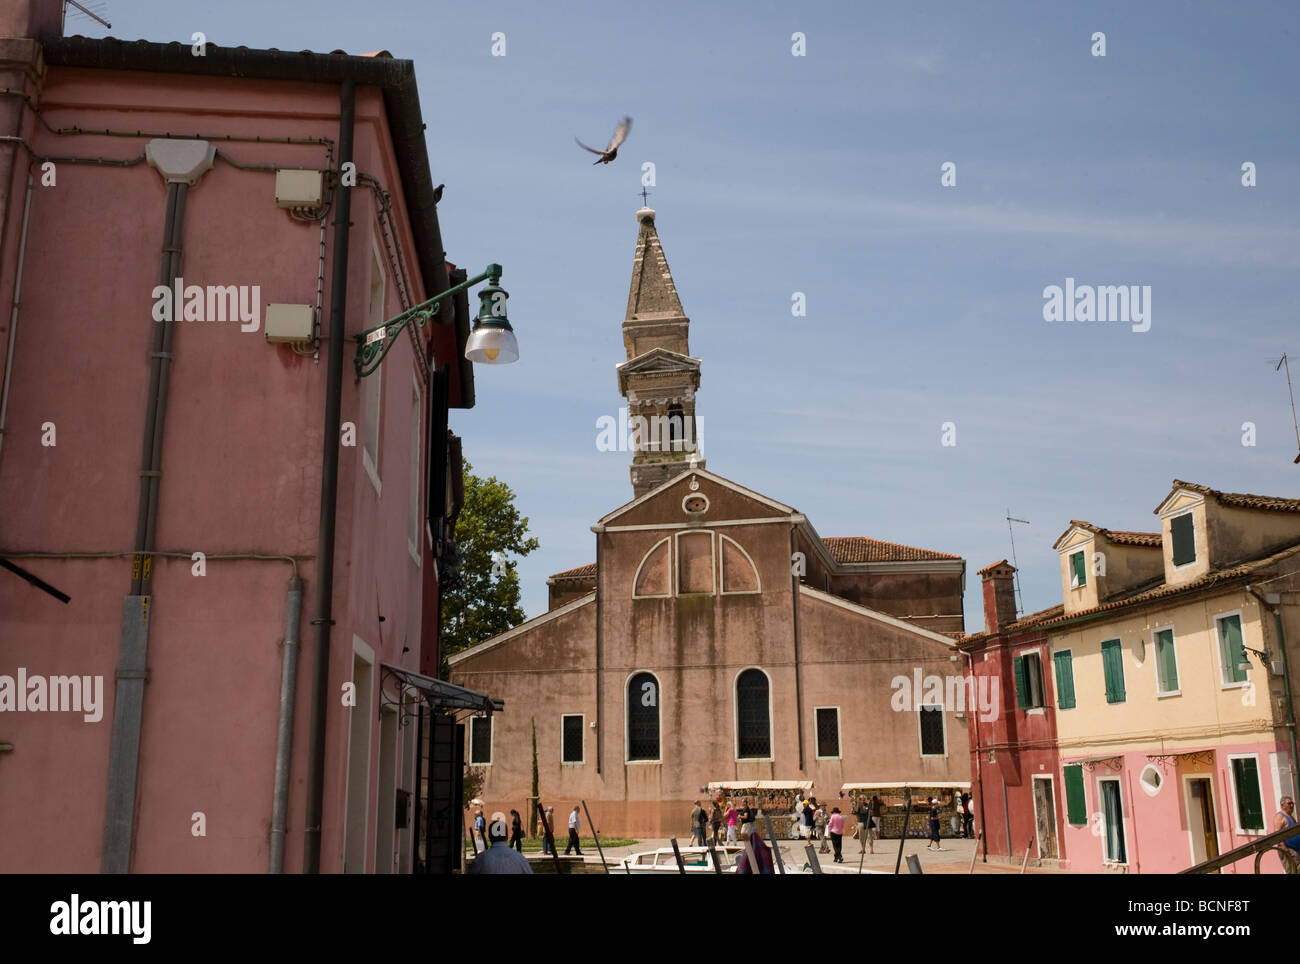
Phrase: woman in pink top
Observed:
(731, 823)
(835, 826)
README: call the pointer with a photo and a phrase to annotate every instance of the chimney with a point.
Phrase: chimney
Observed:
(999, 596)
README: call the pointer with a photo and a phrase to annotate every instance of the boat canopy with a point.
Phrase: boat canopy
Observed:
(770, 786)
(904, 784)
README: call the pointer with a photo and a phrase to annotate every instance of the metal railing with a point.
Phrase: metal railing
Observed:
(1258, 848)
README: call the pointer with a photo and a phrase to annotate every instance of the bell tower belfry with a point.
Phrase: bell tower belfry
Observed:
(659, 378)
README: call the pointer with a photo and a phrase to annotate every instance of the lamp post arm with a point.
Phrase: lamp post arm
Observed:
(373, 343)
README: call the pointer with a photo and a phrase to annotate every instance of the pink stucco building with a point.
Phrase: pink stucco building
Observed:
(170, 503)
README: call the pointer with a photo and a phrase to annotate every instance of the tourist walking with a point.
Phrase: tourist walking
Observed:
(933, 843)
(835, 827)
(480, 832)
(863, 831)
(715, 822)
(747, 818)
(819, 830)
(731, 818)
(574, 826)
(954, 819)
(548, 831)
(697, 825)
(807, 820)
(516, 831)
(499, 858)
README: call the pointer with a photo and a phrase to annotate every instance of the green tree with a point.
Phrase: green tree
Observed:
(484, 601)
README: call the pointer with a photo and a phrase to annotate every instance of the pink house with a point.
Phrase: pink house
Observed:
(220, 548)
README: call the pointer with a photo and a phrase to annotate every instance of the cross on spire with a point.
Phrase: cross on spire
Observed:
(645, 197)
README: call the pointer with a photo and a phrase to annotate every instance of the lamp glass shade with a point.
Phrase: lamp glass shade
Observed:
(492, 345)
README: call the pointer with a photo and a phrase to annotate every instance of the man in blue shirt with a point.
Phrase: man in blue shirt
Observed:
(500, 858)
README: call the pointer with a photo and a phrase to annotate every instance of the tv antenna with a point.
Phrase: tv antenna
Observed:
(99, 6)
(1282, 362)
(1010, 519)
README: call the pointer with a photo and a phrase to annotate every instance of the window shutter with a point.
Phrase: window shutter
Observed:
(1112, 661)
(1080, 570)
(1076, 807)
(1166, 661)
(1021, 696)
(1231, 650)
(1064, 681)
(1184, 539)
(1249, 806)
(436, 511)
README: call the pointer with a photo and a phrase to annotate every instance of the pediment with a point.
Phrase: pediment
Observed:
(1178, 500)
(659, 360)
(1073, 538)
(726, 501)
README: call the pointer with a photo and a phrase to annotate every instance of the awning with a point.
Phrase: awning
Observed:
(442, 694)
(1114, 762)
(737, 786)
(904, 784)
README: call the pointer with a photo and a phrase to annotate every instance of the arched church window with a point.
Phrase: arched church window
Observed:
(738, 572)
(753, 717)
(643, 717)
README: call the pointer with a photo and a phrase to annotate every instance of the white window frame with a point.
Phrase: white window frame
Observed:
(492, 736)
(1187, 812)
(1101, 809)
(943, 723)
(735, 719)
(839, 734)
(668, 565)
(1225, 684)
(722, 574)
(582, 730)
(360, 649)
(1155, 650)
(1056, 826)
(1236, 808)
(659, 709)
(713, 561)
(1041, 708)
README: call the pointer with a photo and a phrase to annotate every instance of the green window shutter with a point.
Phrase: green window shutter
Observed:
(1064, 680)
(1080, 570)
(1076, 808)
(1166, 661)
(1021, 696)
(1231, 651)
(1184, 539)
(1113, 662)
(1250, 808)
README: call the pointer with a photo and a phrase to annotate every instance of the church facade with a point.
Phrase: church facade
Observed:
(717, 637)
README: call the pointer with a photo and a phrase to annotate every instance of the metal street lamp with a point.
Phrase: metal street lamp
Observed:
(491, 342)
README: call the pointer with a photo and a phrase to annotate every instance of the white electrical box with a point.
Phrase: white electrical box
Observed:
(298, 189)
(289, 323)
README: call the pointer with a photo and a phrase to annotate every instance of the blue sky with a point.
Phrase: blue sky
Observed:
(821, 174)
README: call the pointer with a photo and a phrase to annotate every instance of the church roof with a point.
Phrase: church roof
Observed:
(653, 294)
(862, 549)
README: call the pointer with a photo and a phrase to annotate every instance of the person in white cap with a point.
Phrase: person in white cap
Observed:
(500, 858)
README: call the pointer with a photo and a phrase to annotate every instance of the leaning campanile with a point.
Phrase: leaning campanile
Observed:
(659, 378)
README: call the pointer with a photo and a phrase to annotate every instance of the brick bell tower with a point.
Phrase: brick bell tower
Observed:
(659, 378)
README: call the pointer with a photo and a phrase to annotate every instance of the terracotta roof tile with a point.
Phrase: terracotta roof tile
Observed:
(579, 572)
(862, 549)
(1243, 500)
(1121, 537)
(992, 566)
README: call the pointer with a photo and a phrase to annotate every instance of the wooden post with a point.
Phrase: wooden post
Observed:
(976, 852)
(776, 850)
(548, 835)
(1024, 862)
(907, 818)
(595, 836)
(681, 867)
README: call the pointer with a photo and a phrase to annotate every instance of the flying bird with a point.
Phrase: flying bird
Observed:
(437, 193)
(611, 152)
